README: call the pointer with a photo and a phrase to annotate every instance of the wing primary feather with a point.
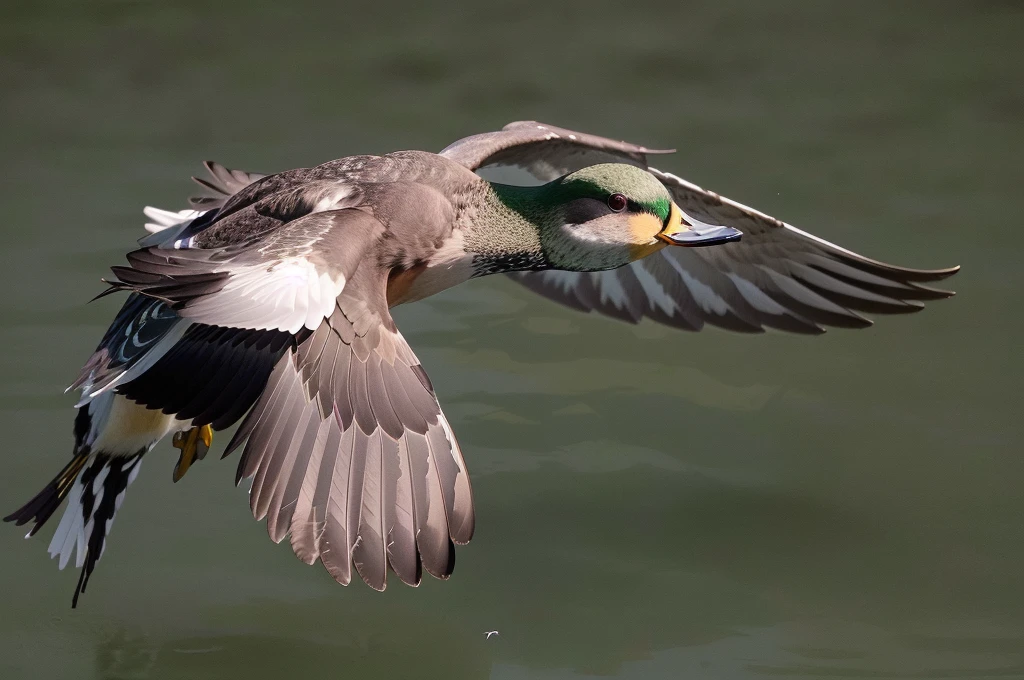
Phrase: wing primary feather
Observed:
(348, 473)
(431, 524)
(365, 505)
(274, 467)
(286, 494)
(369, 554)
(410, 417)
(356, 489)
(383, 410)
(264, 442)
(359, 398)
(461, 520)
(399, 514)
(436, 445)
(305, 524)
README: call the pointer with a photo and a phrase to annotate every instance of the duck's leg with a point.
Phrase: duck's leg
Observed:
(193, 445)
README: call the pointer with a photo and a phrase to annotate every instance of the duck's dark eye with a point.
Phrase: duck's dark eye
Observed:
(617, 202)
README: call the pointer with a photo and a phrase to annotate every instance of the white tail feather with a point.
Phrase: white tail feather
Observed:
(75, 529)
(164, 219)
(166, 225)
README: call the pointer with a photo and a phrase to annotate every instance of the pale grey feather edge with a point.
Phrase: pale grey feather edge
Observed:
(813, 280)
(350, 453)
(546, 151)
(775, 277)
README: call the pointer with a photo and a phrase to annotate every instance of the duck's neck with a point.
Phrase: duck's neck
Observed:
(504, 233)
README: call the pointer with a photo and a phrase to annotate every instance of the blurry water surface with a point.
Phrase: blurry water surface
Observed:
(651, 503)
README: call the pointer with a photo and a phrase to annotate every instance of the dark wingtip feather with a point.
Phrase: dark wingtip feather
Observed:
(791, 323)
(929, 293)
(912, 307)
(927, 274)
(945, 273)
(902, 274)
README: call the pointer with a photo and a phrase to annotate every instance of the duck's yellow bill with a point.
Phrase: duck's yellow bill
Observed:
(680, 232)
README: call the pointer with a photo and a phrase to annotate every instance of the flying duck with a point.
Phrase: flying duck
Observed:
(268, 302)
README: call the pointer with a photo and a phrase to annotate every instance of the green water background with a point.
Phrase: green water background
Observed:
(651, 503)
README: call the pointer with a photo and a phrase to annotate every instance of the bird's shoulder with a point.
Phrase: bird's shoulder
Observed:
(408, 191)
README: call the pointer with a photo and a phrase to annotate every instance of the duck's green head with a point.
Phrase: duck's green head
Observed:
(597, 218)
(608, 215)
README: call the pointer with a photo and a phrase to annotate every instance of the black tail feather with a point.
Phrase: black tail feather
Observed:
(97, 505)
(45, 503)
(98, 508)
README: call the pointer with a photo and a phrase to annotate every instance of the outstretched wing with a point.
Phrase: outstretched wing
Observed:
(777, 276)
(346, 444)
(350, 453)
